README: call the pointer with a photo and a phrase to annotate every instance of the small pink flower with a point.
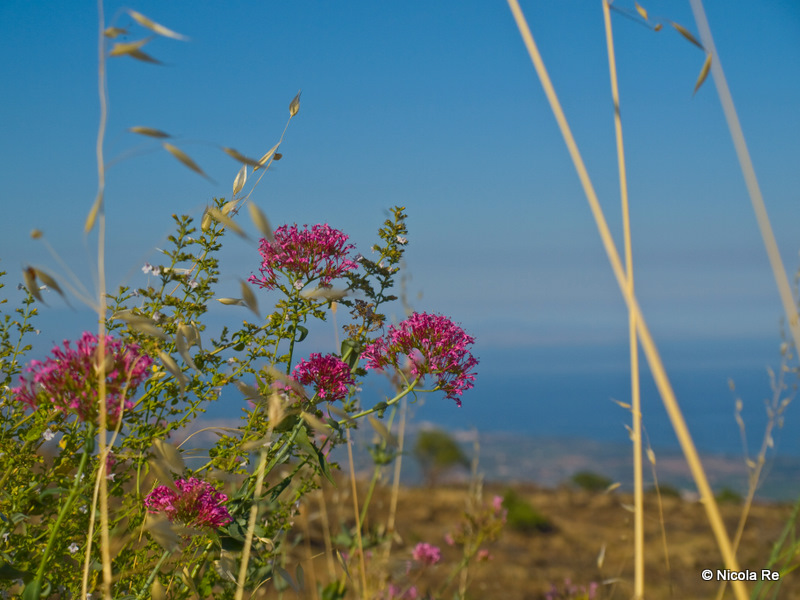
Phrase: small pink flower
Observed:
(329, 376)
(306, 255)
(448, 539)
(484, 555)
(67, 380)
(199, 504)
(434, 345)
(426, 554)
(397, 593)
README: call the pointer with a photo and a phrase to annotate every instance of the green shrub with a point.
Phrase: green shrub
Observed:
(438, 452)
(728, 496)
(591, 482)
(522, 516)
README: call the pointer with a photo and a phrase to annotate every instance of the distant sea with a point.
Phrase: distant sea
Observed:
(542, 413)
(569, 392)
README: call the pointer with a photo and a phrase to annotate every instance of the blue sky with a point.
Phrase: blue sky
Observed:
(434, 106)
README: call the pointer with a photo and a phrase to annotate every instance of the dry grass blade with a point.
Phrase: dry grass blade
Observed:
(170, 455)
(171, 366)
(149, 131)
(260, 221)
(241, 179)
(248, 391)
(294, 105)
(249, 298)
(264, 159)
(703, 73)
(113, 32)
(275, 410)
(123, 48)
(205, 222)
(144, 57)
(329, 294)
(225, 220)
(641, 10)
(229, 206)
(49, 282)
(275, 374)
(314, 422)
(140, 323)
(29, 275)
(685, 33)
(257, 444)
(92, 216)
(182, 346)
(651, 456)
(231, 301)
(163, 532)
(383, 431)
(155, 27)
(183, 157)
(235, 154)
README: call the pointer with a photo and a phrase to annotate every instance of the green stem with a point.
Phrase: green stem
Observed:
(87, 450)
(383, 405)
(376, 472)
(143, 592)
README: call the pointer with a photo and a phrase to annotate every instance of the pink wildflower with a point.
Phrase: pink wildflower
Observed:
(67, 379)
(329, 375)
(304, 256)
(484, 555)
(426, 554)
(434, 345)
(199, 504)
(397, 593)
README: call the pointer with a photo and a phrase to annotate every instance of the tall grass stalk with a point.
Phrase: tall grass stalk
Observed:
(749, 173)
(98, 211)
(636, 411)
(650, 350)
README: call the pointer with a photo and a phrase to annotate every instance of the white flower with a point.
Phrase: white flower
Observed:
(73, 548)
(401, 240)
(5, 536)
(48, 435)
(193, 284)
(111, 476)
(298, 285)
(147, 268)
(84, 509)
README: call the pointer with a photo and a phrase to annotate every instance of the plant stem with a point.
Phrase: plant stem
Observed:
(87, 450)
(153, 574)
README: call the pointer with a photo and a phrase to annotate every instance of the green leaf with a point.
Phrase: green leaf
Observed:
(303, 333)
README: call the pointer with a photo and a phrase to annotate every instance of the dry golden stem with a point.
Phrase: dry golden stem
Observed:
(638, 494)
(650, 350)
(749, 173)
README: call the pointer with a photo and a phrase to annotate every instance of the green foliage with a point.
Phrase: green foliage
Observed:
(666, 490)
(436, 451)
(728, 496)
(591, 482)
(522, 516)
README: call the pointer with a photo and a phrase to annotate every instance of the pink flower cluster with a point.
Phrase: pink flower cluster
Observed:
(199, 504)
(434, 345)
(426, 554)
(304, 256)
(66, 380)
(329, 375)
(395, 592)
